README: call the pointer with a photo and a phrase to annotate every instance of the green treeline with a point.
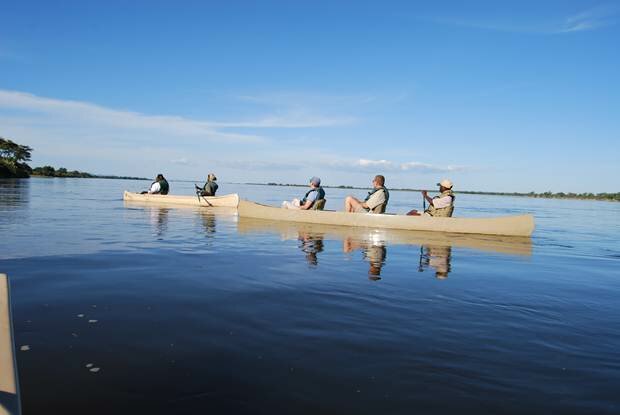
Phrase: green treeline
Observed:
(13, 158)
(49, 171)
(560, 195)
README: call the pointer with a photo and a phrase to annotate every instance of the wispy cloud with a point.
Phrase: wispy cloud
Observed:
(77, 111)
(293, 119)
(359, 165)
(174, 126)
(182, 161)
(395, 166)
(305, 99)
(588, 20)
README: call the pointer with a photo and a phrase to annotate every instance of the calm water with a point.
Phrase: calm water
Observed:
(196, 311)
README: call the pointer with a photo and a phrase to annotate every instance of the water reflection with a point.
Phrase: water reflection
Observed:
(159, 220)
(435, 248)
(436, 258)
(208, 223)
(373, 251)
(311, 244)
(14, 192)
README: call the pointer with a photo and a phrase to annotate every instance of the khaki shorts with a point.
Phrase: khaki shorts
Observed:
(360, 209)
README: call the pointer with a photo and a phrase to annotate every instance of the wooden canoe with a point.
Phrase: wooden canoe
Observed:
(9, 385)
(231, 200)
(522, 225)
(512, 245)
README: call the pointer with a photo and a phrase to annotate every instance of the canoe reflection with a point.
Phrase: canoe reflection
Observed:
(435, 247)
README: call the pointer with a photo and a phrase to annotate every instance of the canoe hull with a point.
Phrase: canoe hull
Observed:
(9, 385)
(522, 225)
(231, 200)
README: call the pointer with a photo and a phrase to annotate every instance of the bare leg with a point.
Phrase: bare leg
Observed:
(351, 204)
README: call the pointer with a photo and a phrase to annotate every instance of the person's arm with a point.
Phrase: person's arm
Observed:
(427, 197)
(309, 200)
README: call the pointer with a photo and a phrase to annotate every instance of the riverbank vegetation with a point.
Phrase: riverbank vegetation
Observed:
(49, 171)
(13, 158)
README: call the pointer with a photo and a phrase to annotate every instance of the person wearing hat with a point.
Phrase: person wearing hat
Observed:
(441, 205)
(210, 186)
(315, 193)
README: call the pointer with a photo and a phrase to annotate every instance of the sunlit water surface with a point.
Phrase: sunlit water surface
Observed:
(129, 308)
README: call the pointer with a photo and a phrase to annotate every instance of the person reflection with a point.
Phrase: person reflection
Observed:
(208, 221)
(437, 257)
(311, 245)
(373, 251)
(159, 219)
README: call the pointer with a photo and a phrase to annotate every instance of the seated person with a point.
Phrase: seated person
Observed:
(441, 205)
(377, 199)
(209, 188)
(315, 193)
(159, 187)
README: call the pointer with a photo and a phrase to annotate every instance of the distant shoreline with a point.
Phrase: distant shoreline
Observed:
(92, 176)
(610, 197)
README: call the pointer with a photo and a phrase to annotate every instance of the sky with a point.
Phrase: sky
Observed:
(496, 96)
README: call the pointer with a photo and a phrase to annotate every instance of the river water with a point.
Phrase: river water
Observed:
(127, 308)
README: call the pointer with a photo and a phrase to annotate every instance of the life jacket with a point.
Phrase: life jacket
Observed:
(164, 187)
(321, 195)
(381, 207)
(209, 189)
(442, 212)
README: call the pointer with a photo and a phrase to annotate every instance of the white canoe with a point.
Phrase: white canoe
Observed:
(522, 225)
(231, 200)
(9, 385)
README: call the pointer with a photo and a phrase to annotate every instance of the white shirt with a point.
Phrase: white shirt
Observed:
(442, 202)
(155, 188)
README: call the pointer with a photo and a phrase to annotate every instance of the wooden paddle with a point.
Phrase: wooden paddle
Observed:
(198, 193)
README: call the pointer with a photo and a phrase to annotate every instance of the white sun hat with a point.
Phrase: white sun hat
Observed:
(445, 183)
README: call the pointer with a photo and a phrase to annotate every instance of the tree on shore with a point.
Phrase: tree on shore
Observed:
(13, 158)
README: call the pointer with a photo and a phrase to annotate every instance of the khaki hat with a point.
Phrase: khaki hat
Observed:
(445, 183)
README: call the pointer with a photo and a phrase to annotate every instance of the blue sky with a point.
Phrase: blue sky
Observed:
(504, 96)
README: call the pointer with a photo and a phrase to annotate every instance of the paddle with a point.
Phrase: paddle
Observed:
(198, 193)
